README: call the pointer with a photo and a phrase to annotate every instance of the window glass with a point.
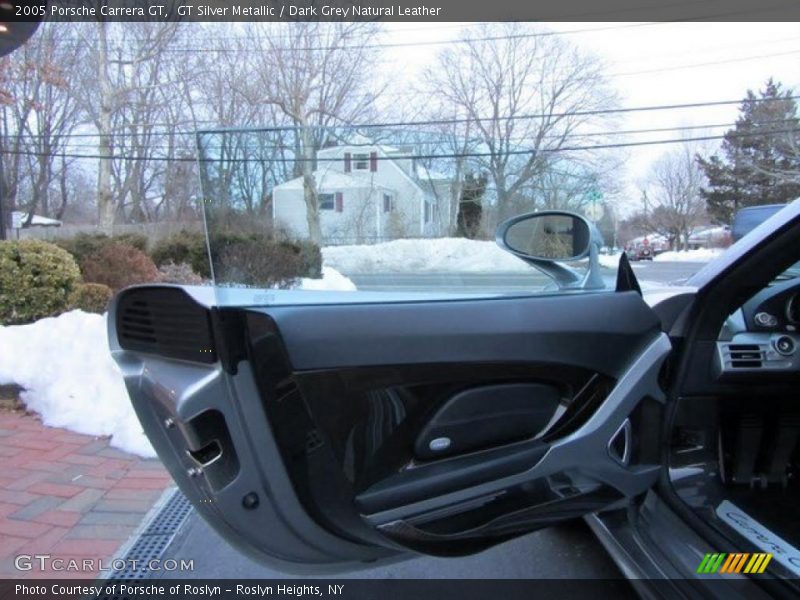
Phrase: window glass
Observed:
(283, 215)
(326, 201)
(361, 162)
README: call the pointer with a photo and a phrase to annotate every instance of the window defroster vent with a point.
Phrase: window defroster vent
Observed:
(165, 322)
(744, 356)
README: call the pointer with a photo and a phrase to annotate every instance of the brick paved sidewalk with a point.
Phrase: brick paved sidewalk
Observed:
(68, 495)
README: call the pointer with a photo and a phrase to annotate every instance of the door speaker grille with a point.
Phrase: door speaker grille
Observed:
(165, 322)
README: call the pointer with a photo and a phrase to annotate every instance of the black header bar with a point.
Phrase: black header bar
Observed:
(408, 10)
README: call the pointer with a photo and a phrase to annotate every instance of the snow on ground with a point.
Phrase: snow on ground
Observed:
(435, 255)
(610, 261)
(453, 255)
(699, 255)
(70, 378)
(331, 280)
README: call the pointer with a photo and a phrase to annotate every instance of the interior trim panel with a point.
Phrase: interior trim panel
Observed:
(553, 329)
(326, 425)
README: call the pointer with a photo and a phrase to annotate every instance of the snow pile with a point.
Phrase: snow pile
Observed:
(436, 255)
(65, 367)
(331, 280)
(70, 378)
(610, 261)
(699, 255)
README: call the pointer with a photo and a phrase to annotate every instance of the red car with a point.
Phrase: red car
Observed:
(641, 251)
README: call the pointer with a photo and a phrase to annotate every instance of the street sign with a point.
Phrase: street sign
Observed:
(594, 212)
(16, 220)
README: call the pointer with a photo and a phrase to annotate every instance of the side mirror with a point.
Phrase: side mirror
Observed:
(544, 239)
(14, 30)
(546, 236)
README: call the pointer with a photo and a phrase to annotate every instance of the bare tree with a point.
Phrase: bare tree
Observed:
(456, 140)
(244, 165)
(14, 111)
(498, 77)
(122, 93)
(319, 76)
(674, 204)
(38, 119)
(57, 114)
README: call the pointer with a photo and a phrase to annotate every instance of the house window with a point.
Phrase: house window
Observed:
(361, 162)
(326, 201)
(388, 203)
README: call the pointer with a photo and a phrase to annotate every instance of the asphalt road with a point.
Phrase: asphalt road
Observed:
(477, 283)
(567, 551)
(666, 272)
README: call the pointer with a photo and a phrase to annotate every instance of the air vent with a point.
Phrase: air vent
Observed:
(745, 356)
(166, 322)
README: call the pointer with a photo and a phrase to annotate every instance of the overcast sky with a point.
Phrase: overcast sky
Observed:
(653, 64)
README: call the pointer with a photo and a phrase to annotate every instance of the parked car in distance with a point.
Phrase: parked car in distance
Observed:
(751, 217)
(710, 237)
(646, 247)
(640, 252)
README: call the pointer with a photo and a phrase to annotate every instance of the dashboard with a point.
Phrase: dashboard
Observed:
(762, 336)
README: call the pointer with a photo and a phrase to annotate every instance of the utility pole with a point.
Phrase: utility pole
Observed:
(3, 221)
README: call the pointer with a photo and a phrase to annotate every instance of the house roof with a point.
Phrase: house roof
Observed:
(329, 180)
(37, 221)
(363, 145)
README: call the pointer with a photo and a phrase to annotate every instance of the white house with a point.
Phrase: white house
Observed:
(367, 192)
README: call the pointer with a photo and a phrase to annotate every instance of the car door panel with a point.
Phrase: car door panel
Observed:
(487, 415)
(556, 329)
(303, 438)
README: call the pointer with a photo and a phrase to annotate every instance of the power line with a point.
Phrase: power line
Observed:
(320, 35)
(433, 141)
(397, 124)
(705, 64)
(422, 156)
(376, 45)
(532, 35)
(604, 111)
(418, 142)
(417, 43)
(613, 74)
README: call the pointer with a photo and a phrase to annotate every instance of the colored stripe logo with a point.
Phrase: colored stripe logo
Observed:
(736, 562)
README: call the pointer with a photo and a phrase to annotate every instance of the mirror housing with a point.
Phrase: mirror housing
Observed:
(547, 235)
(16, 31)
(544, 239)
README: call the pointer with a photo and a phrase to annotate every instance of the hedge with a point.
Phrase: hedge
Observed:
(91, 297)
(36, 280)
(183, 247)
(83, 245)
(249, 259)
(119, 265)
